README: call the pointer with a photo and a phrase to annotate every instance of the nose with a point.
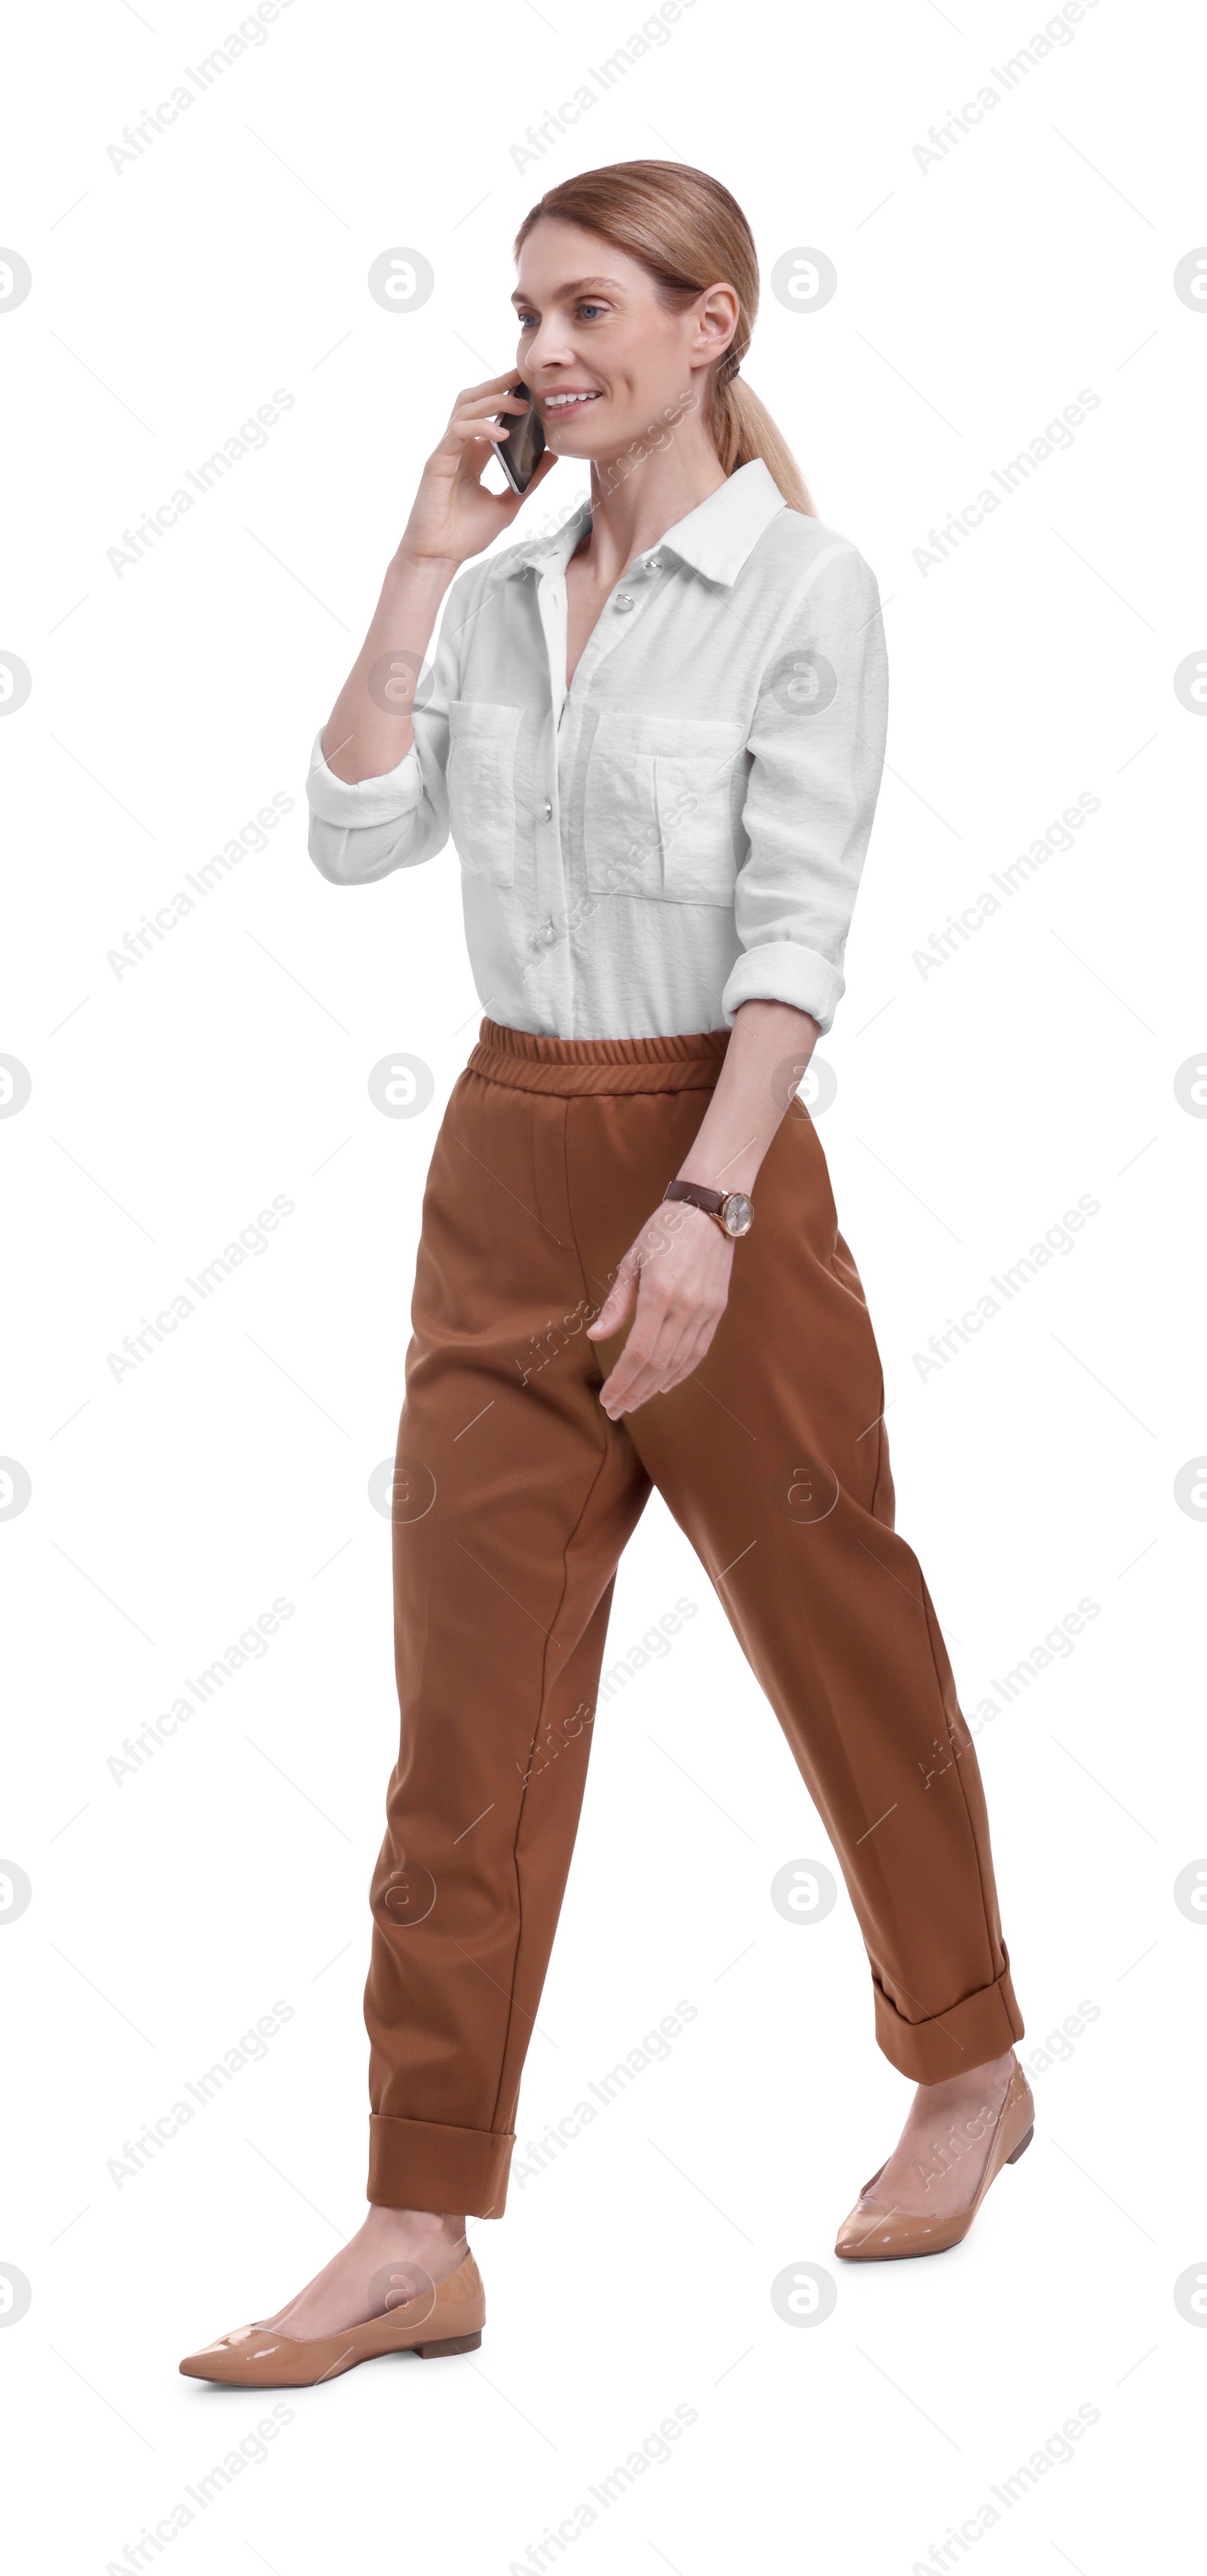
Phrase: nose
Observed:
(549, 346)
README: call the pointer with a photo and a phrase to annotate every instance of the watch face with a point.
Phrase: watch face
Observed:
(737, 1213)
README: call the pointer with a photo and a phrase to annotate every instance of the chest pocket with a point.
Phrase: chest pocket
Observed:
(481, 781)
(662, 809)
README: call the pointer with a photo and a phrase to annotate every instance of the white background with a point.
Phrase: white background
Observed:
(974, 1105)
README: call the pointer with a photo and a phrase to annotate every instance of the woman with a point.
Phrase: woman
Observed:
(656, 737)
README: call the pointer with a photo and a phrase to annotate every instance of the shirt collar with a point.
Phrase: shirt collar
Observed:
(716, 538)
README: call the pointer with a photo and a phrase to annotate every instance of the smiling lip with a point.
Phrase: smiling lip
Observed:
(564, 400)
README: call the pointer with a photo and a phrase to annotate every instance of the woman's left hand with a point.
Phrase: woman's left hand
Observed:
(676, 1275)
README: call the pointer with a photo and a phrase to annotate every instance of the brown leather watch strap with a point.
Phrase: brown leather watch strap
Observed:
(695, 1195)
(730, 1209)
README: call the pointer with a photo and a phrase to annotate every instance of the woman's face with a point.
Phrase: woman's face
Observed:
(600, 355)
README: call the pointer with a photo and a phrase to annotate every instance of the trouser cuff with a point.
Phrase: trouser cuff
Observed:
(417, 2164)
(967, 2034)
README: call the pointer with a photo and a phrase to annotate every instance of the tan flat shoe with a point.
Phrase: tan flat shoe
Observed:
(873, 2235)
(444, 2319)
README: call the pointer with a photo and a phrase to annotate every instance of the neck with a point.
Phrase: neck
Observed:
(634, 502)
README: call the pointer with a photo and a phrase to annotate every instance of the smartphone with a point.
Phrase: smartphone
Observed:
(521, 451)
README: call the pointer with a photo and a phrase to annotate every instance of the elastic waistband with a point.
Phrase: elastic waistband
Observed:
(573, 1065)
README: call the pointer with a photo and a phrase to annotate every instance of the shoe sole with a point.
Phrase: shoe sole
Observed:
(440, 2350)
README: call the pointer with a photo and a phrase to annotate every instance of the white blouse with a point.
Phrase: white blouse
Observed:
(683, 828)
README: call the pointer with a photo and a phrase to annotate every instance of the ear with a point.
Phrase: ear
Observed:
(717, 321)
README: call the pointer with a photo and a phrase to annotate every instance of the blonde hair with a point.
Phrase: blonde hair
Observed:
(688, 231)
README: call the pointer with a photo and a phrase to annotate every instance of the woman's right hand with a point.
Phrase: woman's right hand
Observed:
(369, 730)
(452, 516)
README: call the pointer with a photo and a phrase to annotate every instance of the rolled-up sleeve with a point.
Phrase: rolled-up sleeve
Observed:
(817, 747)
(363, 830)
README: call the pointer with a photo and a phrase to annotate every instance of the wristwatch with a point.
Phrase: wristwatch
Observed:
(731, 1208)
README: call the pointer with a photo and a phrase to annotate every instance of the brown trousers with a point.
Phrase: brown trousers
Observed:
(513, 1498)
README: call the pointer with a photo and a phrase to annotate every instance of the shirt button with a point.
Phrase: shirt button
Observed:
(624, 599)
(653, 565)
(547, 811)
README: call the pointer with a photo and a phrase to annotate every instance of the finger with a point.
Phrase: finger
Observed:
(617, 1393)
(618, 1303)
(485, 407)
(481, 425)
(480, 419)
(687, 1361)
(706, 1327)
(490, 384)
(681, 1361)
(610, 1319)
(620, 1395)
(665, 1369)
(632, 1392)
(631, 1270)
(667, 1363)
(637, 1371)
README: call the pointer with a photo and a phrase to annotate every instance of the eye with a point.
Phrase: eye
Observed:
(590, 308)
(526, 320)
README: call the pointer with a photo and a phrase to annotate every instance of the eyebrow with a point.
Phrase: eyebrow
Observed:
(575, 287)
